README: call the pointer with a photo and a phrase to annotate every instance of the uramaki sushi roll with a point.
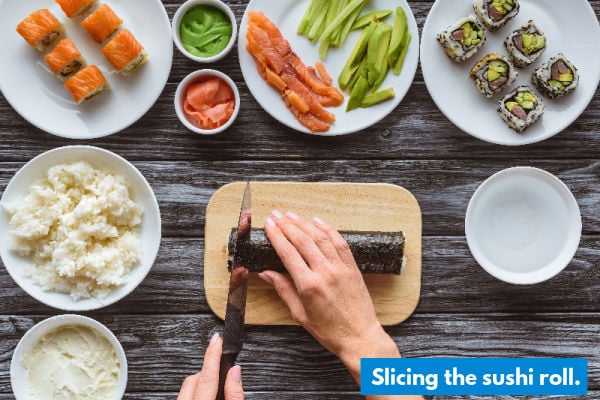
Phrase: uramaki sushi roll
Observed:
(492, 74)
(521, 108)
(40, 28)
(496, 13)
(556, 77)
(525, 45)
(86, 84)
(65, 59)
(462, 39)
(102, 23)
(124, 52)
(75, 8)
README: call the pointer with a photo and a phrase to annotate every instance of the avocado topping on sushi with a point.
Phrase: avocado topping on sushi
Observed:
(529, 43)
(521, 104)
(561, 75)
(499, 8)
(468, 35)
(497, 73)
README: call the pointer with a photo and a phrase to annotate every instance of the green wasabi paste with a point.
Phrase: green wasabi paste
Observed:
(205, 31)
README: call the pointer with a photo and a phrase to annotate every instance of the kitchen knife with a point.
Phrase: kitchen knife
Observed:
(233, 332)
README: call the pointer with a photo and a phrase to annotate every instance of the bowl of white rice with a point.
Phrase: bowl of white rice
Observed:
(79, 228)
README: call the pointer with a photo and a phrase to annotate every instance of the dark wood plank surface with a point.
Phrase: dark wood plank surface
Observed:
(164, 325)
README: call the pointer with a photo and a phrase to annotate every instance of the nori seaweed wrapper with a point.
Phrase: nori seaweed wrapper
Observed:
(374, 252)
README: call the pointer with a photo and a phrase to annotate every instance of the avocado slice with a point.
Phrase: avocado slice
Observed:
(378, 97)
(359, 91)
(557, 84)
(377, 51)
(532, 43)
(399, 31)
(352, 65)
(492, 74)
(566, 77)
(366, 19)
(510, 104)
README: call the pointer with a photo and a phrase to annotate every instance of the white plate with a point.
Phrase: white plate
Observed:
(570, 26)
(40, 98)
(141, 193)
(286, 14)
(18, 373)
(523, 225)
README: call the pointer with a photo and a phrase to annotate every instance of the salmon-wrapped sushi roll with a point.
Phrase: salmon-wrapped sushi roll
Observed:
(40, 28)
(86, 84)
(65, 60)
(124, 52)
(102, 23)
(75, 8)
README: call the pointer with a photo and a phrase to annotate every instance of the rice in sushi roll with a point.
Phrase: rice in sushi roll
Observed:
(556, 77)
(40, 28)
(492, 74)
(124, 52)
(102, 23)
(86, 84)
(65, 59)
(521, 108)
(75, 8)
(463, 38)
(525, 45)
(496, 13)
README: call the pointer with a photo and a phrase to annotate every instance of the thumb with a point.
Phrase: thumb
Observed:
(233, 384)
(288, 293)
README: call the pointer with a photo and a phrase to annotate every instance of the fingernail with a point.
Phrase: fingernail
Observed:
(269, 221)
(236, 373)
(214, 338)
(291, 215)
(265, 278)
(318, 221)
(277, 214)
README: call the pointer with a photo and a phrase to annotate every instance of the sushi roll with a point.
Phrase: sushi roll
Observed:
(556, 77)
(86, 84)
(463, 38)
(124, 52)
(492, 74)
(40, 28)
(525, 45)
(65, 59)
(102, 23)
(75, 8)
(496, 13)
(521, 108)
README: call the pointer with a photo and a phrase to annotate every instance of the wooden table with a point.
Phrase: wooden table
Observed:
(165, 324)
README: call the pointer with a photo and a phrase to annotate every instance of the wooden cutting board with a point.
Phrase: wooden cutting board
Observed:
(347, 206)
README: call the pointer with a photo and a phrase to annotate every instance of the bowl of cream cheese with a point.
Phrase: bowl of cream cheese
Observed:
(69, 357)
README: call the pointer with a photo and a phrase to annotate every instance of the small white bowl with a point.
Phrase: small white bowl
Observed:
(18, 373)
(199, 76)
(180, 13)
(523, 225)
(141, 193)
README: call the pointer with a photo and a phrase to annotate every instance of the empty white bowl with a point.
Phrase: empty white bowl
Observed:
(199, 76)
(141, 193)
(18, 373)
(523, 225)
(180, 13)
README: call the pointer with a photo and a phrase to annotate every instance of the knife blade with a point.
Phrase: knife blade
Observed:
(233, 331)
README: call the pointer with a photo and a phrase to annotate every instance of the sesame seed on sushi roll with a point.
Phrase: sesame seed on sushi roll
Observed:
(85, 84)
(521, 108)
(525, 45)
(40, 29)
(496, 13)
(65, 59)
(462, 39)
(556, 77)
(492, 74)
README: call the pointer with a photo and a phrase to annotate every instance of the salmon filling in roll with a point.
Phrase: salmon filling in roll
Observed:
(124, 52)
(40, 28)
(102, 23)
(75, 8)
(65, 60)
(86, 84)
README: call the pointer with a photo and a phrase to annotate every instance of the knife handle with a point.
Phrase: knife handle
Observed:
(227, 361)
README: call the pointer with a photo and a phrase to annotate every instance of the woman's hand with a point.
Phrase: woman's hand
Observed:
(205, 384)
(327, 294)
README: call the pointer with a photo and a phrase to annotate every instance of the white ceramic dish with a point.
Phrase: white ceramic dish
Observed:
(198, 76)
(183, 9)
(570, 27)
(40, 98)
(141, 192)
(18, 373)
(523, 225)
(286, 15)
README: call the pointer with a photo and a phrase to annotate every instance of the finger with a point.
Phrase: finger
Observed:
(303, 243)
(288, 293)
(233, 384)
(338, 242)
(187, 388)
(292, 260)
(320, 238)
(208, 379)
